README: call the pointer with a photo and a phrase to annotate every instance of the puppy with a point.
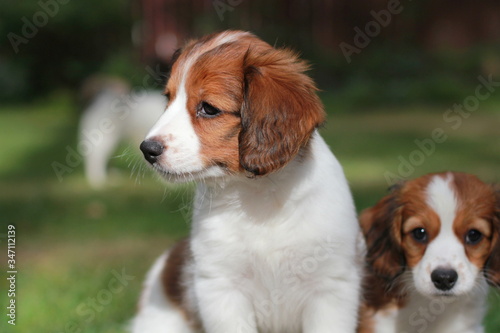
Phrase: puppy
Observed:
(273, 240)
(432, 249)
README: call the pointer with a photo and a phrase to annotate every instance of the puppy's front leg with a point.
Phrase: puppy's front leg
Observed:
(224, 309)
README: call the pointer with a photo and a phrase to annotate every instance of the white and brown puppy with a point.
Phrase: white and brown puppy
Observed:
(114, 114)
(432, 250)
(273, 241)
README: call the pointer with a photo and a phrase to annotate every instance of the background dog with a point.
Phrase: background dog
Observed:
(115, 114)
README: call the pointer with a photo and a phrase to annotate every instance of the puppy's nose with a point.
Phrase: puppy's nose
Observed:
(151, 150)
(443, 278)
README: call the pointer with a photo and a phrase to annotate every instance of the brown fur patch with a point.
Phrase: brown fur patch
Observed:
(478, 209)
(413, 249)
(269, 106)
(222, 89)
(172, 274)
(366, 321)
(280, 111)
(492, 266)
(381, 226)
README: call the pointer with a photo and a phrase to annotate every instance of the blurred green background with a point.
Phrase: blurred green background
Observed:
(384, 103)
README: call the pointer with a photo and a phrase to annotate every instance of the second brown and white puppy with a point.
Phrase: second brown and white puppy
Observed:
(432, 250)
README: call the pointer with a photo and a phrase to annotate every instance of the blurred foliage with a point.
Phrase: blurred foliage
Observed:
(84, 38)
(76, 39)
(388, 76)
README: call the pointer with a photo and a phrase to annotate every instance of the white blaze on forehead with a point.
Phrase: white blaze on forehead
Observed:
(175, 129)
(230, 36)
(178, 136)
(175, 119)
(222, 38)
(441, 197)
(177, 112)
(446, 248)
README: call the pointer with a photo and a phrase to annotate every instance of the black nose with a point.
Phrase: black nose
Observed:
(151, 150)
(444, 279)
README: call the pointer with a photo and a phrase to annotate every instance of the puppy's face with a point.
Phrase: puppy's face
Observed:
(442, 228)
(235, 104)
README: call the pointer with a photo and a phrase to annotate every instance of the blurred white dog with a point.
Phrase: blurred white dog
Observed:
(114, 114)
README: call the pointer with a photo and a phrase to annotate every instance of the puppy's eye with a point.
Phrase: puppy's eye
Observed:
(419, 234)
(167, 95)
(208, 111)
(473, 237)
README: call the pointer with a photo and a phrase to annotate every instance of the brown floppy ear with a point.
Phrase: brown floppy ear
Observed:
(381, 226)
(280, 110)
(492, 267)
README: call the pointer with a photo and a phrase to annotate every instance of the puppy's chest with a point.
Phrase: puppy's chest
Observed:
(268, 260)
(278, 284)
(277, 269)
(263, 254)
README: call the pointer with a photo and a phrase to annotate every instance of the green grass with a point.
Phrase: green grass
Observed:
(70, 239)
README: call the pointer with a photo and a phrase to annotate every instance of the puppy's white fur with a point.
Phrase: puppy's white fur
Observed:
(270, 254)
(275, 254)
